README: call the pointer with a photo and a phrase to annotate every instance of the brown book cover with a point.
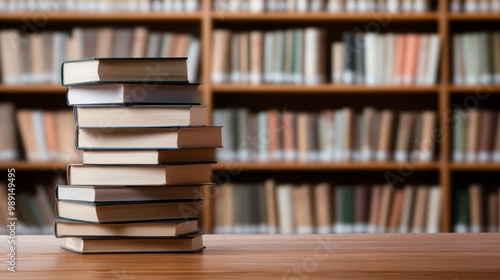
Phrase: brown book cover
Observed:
(487, 129)
(493, 209)
(419, 213)
(396, 209)
(104, 42)
(385, 207)
(223, 209)
(8, 141)
(472, 135)
(476, 207)
(274, 132)
(302, 136)
(375, 204)
(384, 140)
(427, 140)
(302, 211)
(139, 42)
(220, 63)
(244, 56)
(361, 200)
(25, 125)
(49, 124)
(289, 136)
(322, 207)
(403, 139)
(270, 190)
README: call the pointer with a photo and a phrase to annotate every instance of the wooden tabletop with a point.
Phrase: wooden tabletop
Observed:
(298, 257)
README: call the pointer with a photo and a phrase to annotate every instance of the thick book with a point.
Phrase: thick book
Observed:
(8, 142)
(86, 245)
(138, 175)
(121, 194)
(133, 93)
(166, 228)
(92, 70)
(148, 138)
(119, 157)
(140, 116)
(111, 212)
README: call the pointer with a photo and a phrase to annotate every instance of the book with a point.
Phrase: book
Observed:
(8, 141)
(461, 212)
(167, 228)
(87, 245)
(407, 211)
(302, 212)
(133, 93)
(433, 218)
(139, 116)
(223, 208)
(108, 212)
(476, 207)
(147, 138)
(94, 70)
(284, 203)
(152, 157)
(127, 193)
(138, 175)
(270, 195)
(419, 213)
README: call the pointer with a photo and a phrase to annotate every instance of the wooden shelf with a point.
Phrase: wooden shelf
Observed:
(319, 166)
(34, 165)
(100, 16)
(32, 89)
(494, 16)
(493, 89)
(321, 16)
(320, 89)
(476, 166)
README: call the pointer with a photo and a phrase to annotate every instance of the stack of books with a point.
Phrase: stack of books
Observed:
(147, 155)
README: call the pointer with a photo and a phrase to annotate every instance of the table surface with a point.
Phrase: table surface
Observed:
(336, 256)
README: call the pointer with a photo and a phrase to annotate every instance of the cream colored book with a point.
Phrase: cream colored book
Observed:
(138, 175)
(140, 116)
(224, 209)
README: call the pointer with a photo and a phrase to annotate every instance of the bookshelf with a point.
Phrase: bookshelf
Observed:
(203, 22)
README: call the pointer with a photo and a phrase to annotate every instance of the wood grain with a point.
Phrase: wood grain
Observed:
(360, 256)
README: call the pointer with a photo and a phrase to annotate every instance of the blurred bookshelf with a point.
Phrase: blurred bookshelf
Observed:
(441, 170)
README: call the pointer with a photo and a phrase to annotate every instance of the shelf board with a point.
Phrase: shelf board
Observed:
(319, 166)
(32, 89)
(476, 166)
(101, 16)
(493, 16)
(322, 16)
(493, 89)
(320, 89)
(34, 165)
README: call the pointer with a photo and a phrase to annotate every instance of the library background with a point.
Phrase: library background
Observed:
(355, 116)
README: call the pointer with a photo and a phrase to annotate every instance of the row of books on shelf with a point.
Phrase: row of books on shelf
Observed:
(330, 135)
(476, 135)
(476, 58)
(34, 209)
(385, 59)
(95, 5)
(45, 135)
(37, 58)
(323, 5)
(299, 56)
(476, 208)
(474, 6)
(326, 208)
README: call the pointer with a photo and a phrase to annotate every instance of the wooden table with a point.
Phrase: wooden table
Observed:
(298, 257)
